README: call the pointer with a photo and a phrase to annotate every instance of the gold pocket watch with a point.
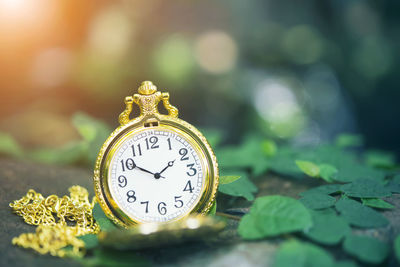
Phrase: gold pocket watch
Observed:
(154, 168)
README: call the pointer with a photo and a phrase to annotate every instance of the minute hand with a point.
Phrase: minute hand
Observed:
(158, 174)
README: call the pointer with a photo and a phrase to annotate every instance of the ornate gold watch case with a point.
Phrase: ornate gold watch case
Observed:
(148, 99)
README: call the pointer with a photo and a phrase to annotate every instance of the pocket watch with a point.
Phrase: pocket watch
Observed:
(155, 168)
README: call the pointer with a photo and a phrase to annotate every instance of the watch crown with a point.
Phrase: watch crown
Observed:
(147, 88)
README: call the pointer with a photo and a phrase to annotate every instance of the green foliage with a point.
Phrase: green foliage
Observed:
(106, 257)
(397, 248)
(324, 171)
(359, 215)
(274, 215)
(241, 187)
(328, 189)
(366, 249)
(394, 184)
(68, 154)
(327, 172)
(344, 165)
(269, 148)
(346, 263)
(323, 189)
(380, 159)
(250, 154)
(91, 241)
(377, 203)
(349, 140)
(365, 188)
(228, 179)
(94, 132)
(105, 223)
(213, 136)
(9, 146)
(213, 209)
(318, 201)
(302, 254)
(309, 168)
(328, 228)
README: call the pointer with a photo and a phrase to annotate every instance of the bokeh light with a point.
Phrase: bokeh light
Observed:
(52, 68)
(173, 59)
(216, 52)
(292, 66)
(111, 33)
(303, 45)
(278, 106)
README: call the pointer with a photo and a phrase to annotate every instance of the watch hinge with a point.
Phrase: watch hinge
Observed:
(151, 124)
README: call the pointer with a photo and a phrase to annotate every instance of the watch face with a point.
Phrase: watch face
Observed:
(156, 175)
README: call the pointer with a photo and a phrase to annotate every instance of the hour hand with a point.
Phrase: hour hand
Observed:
(148, 172)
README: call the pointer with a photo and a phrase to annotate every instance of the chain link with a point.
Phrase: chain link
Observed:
(60, 221)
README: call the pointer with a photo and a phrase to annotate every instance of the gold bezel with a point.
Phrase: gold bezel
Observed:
(197, 140)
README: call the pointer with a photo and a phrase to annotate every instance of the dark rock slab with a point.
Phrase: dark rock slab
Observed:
(16, 179)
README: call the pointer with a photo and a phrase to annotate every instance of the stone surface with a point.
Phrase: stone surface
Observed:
(16, 179)
(226, 249)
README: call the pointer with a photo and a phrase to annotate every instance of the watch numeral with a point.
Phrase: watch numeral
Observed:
(147, 205)
(139, 150)
(193, 171)
(177, 200)
(162, 208)
(169, 143)
(183, 152)
(131, 196)
(129, 164)
(152, 141)
(188, 187)
(122, 181)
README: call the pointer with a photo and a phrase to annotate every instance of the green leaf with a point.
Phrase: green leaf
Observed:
(9, 146)
(365, 188)
(346, 162)
(327, 172)
(284, 161)
(346, 263)
(91, 241)
(359, 215)
(274, 215)
(269, 148)
(302, 254)
(394, 184)
(228, 179)
(318, 201)
(377, 203)
(249, 154)
(248, 228)
(397, 248)
(105, 223)
(349, 140)
(366, 249)
(309, 168)
(213, 209)
(323, 189)
(380, 159)
(328, 228)
(242, 187)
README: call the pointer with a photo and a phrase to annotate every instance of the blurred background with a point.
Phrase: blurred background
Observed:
(296, 71)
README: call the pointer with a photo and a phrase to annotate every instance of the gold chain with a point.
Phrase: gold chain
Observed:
(59, 221)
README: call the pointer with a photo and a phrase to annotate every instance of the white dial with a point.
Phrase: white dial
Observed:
(156, 176)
